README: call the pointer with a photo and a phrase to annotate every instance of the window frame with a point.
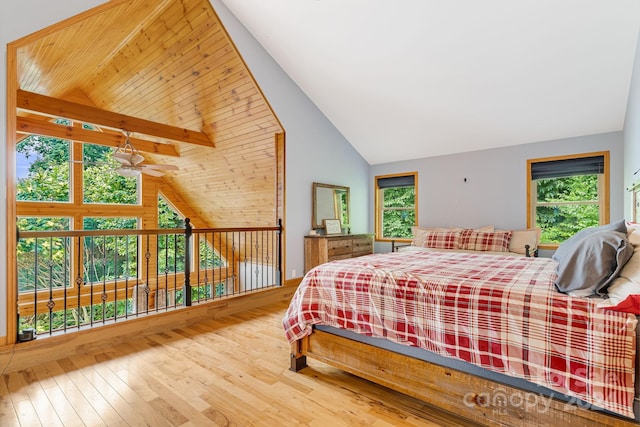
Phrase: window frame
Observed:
(79, 179)
(604, 196)
(76, 209)
(379, 206)
(70, 178)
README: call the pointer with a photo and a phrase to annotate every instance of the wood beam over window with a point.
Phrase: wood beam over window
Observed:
(33, 102)
(31, 125)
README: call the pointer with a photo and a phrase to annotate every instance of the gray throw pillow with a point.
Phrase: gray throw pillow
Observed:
(568, 245)
(593, 262)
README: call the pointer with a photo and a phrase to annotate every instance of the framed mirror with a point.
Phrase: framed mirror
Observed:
(329, 202)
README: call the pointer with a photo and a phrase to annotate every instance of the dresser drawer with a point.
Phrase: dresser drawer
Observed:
(341, 256)
(339, 247)
(362, 245)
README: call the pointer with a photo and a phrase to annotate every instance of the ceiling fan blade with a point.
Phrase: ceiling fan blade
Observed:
(160, 167)
(124, 158)
(151, 172)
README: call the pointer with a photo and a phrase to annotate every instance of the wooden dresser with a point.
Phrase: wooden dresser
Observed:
(321, 249)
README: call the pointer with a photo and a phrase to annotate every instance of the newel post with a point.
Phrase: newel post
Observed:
(279, 275)
(186, 291)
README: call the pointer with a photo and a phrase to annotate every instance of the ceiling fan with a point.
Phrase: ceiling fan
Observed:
(130, 162)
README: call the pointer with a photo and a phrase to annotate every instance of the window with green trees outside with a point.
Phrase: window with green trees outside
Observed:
(568, 194)
(396, 201)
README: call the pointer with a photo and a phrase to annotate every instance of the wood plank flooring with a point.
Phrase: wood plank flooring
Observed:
(226, 372)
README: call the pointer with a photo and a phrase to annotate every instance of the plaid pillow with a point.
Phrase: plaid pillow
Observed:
(441, 239)
(474, 240)
(419, 232)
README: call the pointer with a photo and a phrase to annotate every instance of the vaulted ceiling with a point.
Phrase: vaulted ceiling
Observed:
(418, 78)
(166, 71)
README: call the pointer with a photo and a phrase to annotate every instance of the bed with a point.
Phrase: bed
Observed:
(486, 336)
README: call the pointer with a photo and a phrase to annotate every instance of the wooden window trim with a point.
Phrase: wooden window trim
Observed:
(603, 182)
(378, 206)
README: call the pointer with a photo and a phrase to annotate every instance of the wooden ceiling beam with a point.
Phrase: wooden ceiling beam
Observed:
(30, 125)
(56, 107)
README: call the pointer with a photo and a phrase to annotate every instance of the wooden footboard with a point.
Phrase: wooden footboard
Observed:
(480, 400)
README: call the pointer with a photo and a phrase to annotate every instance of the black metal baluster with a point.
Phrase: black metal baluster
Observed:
(65, 284)
(126, 277)
(175, 270)
(233, 264)
(50, 304)
(254, 240)
(244, 253)
(92, 270)
(203, 264)
(147, 257)
(115, 280)
(262, 260)
(215, 283)
(103, 297)
(79, 277)
(35, 286)
(187, 263)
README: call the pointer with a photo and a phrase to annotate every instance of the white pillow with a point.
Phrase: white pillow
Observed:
(626, 287)
(626, 284)
(631, 270)
(633, 234)
(520, 238)
(618, 291)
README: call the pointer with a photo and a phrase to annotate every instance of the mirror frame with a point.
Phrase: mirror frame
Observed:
(317, 187)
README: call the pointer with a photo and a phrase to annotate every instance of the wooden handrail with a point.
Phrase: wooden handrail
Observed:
(140, 232)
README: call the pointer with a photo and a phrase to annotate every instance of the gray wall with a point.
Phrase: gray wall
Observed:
(316, 151)
(632, 134)
(496, 187)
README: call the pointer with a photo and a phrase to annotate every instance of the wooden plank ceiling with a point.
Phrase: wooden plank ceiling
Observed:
(170, 62)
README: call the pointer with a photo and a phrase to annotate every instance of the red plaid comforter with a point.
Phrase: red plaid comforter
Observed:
(499, 312)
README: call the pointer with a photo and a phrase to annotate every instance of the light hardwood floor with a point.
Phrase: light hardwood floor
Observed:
(229, 372)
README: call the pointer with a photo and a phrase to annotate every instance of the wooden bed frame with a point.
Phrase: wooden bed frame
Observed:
(480, 400)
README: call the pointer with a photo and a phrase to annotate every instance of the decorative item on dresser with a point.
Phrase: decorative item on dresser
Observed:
(320, 249)
(332, 226)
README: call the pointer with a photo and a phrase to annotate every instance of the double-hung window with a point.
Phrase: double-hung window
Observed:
(567, 194)
(396, 201)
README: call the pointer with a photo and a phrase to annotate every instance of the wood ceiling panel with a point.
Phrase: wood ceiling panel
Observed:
(192, 159)
(56, 62)
(241, 105)
(186, 89)
(158, 48)
(262, 119)
(206, 171)
(215, 171)
(238, 138)
(171, 62)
